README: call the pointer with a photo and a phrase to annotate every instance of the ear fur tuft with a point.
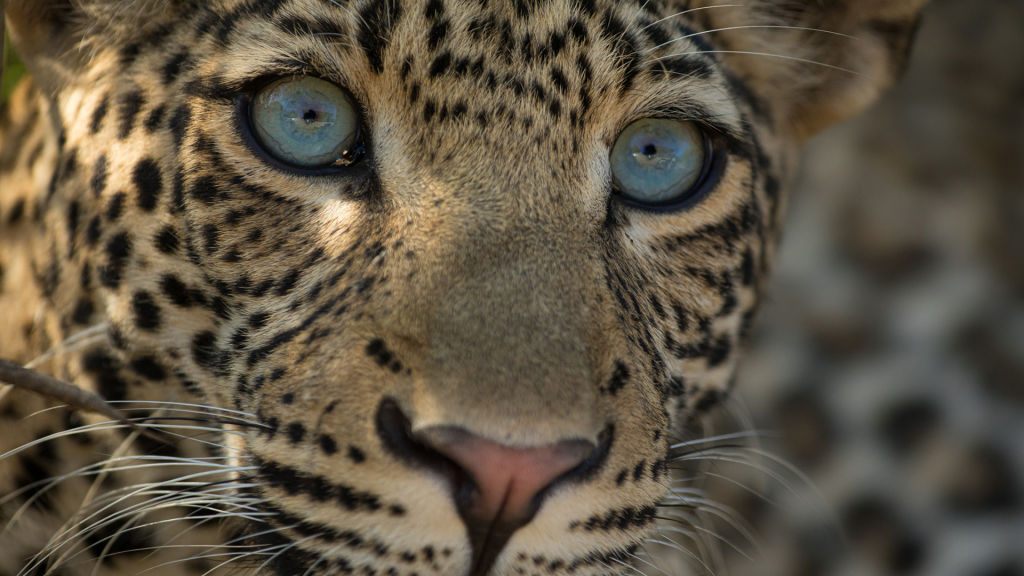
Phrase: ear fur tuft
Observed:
(815, 62)
(54, 36)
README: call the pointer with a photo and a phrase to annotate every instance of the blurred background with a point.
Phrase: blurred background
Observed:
(889, 362)
(888, 366)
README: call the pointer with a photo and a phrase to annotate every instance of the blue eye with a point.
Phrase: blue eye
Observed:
(306, 122)
(658, 161)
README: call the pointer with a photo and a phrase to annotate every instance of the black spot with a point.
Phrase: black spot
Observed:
(69, 164)
(438, 32)
(33, 470)
(92, 231)
(377, 350)
(155, 118)
(434, 9)
(147, 312)
(99, 114)
(83, 311)
(204, 349)
(618, 380)
(129, 53)
(747, 269)
(440, 64)
(288, 282)
(296, 432)
(909, 424)
(115, 206)
(98, 182)
(16, 212)
(719, 351)
(148, 183)
(205, 190)
(175, 290)
(105, 371)
(378, 21)
(178, 123)
(356, 455)
(118, 248)
(173, 67)
(555, 108)
(211, 238)
(129, 107)
(167, 240)
(221, 308)
(258, 320)
(74, 215)
(148, 368)
(327, 444)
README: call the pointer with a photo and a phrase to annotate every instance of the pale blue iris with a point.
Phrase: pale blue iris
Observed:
(305, 121)
(657, 160)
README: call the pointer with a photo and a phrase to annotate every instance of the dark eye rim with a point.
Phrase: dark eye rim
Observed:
(356, 163)
(710, 174)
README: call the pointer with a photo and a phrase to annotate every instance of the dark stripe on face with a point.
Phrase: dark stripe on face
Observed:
(318, 488)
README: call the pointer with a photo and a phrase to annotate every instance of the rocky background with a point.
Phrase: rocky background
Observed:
(889, 362)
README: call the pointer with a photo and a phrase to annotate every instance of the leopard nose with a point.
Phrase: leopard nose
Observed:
(502, 484)
(497, 488)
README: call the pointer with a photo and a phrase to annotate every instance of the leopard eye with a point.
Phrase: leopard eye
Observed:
(658, 162)
(306, 122)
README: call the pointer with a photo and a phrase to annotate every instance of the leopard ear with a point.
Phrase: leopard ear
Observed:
(53, 37)
(816, 62)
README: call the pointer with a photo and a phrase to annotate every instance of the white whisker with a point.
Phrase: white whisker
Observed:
(685, 12)
(768, 55)
(747, 27)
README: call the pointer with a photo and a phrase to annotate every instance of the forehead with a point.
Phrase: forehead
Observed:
(565, 61)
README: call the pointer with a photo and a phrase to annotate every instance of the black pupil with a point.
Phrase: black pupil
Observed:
(650, 150)
(309, 115)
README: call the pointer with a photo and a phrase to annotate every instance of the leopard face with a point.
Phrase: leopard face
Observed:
(465, 343)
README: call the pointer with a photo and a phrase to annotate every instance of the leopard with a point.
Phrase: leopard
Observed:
(526, 240)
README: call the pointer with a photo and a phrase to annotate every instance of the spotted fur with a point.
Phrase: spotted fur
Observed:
(475, 271)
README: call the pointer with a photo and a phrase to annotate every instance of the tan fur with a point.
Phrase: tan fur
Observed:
(477, 274)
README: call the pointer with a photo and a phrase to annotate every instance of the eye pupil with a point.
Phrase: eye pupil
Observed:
(650, 150)
(310, 116)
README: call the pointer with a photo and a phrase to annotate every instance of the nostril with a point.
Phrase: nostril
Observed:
(497, 488)
(395, 431)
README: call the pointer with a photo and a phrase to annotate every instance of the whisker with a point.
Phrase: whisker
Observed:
(751, 434)
(748, 27)
(768, 55)
(685, 12)
(111, 425)
(140, 404)
(78, 529)
(71, 343)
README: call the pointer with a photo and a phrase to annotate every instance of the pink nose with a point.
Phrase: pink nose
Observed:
(507, 481)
